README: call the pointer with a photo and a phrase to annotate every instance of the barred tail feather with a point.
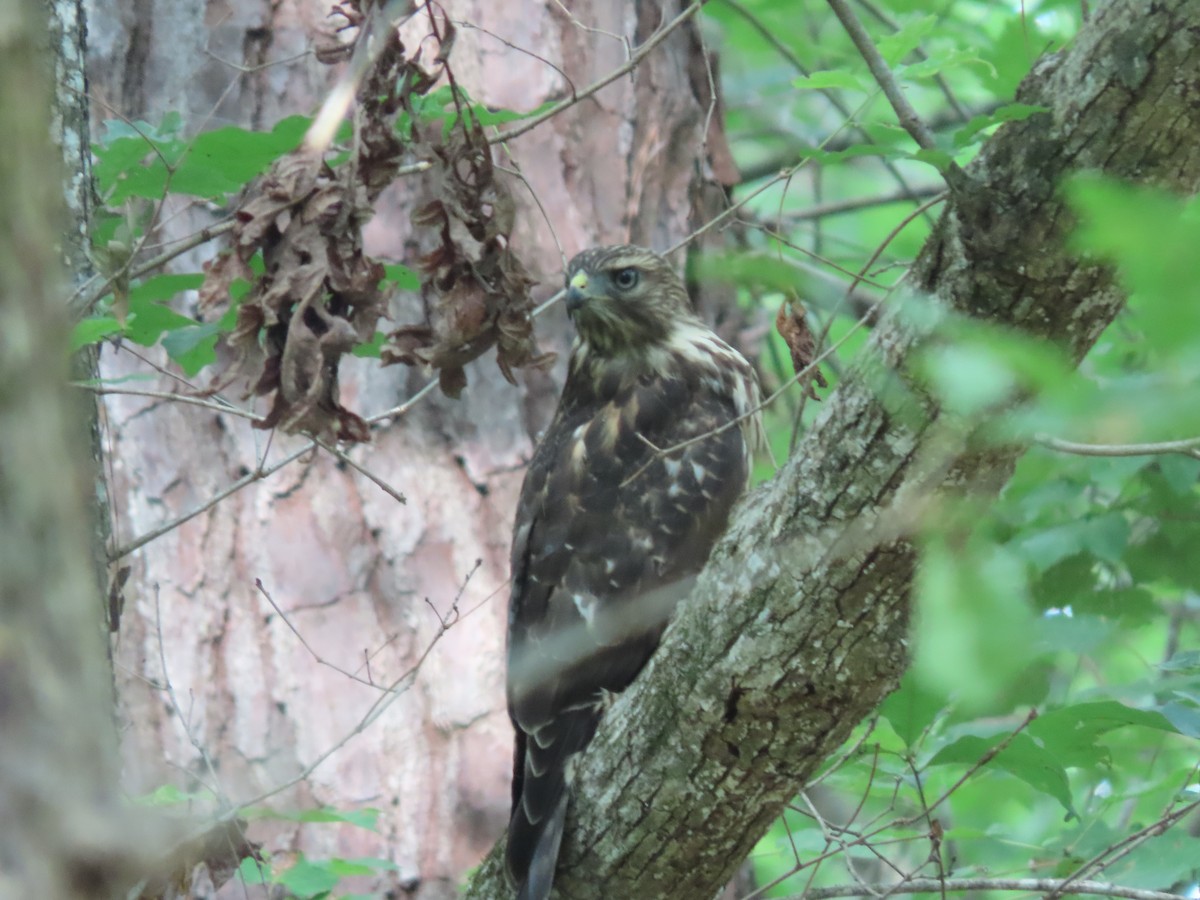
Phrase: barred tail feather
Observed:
(539, 877)
(543, 761)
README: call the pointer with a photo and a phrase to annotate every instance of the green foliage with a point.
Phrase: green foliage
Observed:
(141, 160)
(1077, 593)
(367, 817)
(312, 879)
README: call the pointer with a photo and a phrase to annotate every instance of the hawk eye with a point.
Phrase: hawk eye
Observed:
(626, 279)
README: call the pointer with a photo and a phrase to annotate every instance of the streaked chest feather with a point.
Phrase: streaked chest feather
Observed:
(712, 371)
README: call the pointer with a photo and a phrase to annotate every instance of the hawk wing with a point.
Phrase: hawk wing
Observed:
(609, 532)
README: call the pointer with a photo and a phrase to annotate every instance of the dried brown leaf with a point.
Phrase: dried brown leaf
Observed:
(475, 288)
(792, 326)
(220, 849)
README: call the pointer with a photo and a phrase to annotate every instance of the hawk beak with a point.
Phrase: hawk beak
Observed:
(577, 292)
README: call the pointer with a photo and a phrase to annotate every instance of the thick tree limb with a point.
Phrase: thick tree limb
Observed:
(797, 628)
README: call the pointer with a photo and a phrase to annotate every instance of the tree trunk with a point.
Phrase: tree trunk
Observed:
(354, 573)
(65, 834)
(797, 627)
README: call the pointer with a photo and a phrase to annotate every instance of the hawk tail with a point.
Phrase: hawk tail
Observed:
(542, 764)
(539, 877)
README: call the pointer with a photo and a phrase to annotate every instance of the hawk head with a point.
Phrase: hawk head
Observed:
(624, 297)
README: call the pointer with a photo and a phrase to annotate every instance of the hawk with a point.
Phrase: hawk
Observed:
(630, 487)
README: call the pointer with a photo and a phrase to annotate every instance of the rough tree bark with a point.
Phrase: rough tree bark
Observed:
(352, 569)
(797, 628)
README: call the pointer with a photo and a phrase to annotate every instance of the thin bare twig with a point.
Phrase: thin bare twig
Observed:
(733, 208)
(832, 96)
(185, 719)
(312, 652)
(258, 474)
(909, 120)
(939, 79)
(955, 885)
(634, 59)
(835, 208)
(1123, 848)
(361, 470)
(1188, 446)
(215, 405)
(983, 761)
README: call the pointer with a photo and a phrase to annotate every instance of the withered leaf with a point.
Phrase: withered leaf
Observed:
(220, 849)
(476, 291)
(319, 294)
(792, 326)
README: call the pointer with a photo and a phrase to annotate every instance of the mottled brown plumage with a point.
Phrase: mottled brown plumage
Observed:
(614, 519)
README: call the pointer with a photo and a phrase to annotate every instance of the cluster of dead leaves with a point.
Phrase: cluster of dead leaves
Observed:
(475, 288)
(319, 295)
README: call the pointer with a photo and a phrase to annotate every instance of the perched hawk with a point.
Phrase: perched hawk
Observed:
(628, 491)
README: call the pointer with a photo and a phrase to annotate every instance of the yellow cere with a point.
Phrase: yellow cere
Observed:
(579, 281)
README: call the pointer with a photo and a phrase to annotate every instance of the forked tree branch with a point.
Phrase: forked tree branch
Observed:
(797, 627)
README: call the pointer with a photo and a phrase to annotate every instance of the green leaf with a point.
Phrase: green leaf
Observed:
(1185, 717)
(193, 347)
(253, 871)
(1183, 661)
(912, 708)
(1135, 606)
(117, 129)
(1168, 859)
(148, 320)
(828, 157)
(135, 167)
(92, 330)
(1022, 758)
(1071, 733)
(170, 795)
(896, 46)
(1011, 52)
(1010, 112)
(402, 276)
(967, 380)
(1152, 236)
(367, 817)
(222, 161)
(371, 349)
(1179, 472)
(939, 159)
(307, 879)
(829, 78)
(487, 116)
(751, 270)
(215, 163)
(1074, 633)
(973, 621)
(1104, 536)
(164, 287)
(938, 63)
(363, 865)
